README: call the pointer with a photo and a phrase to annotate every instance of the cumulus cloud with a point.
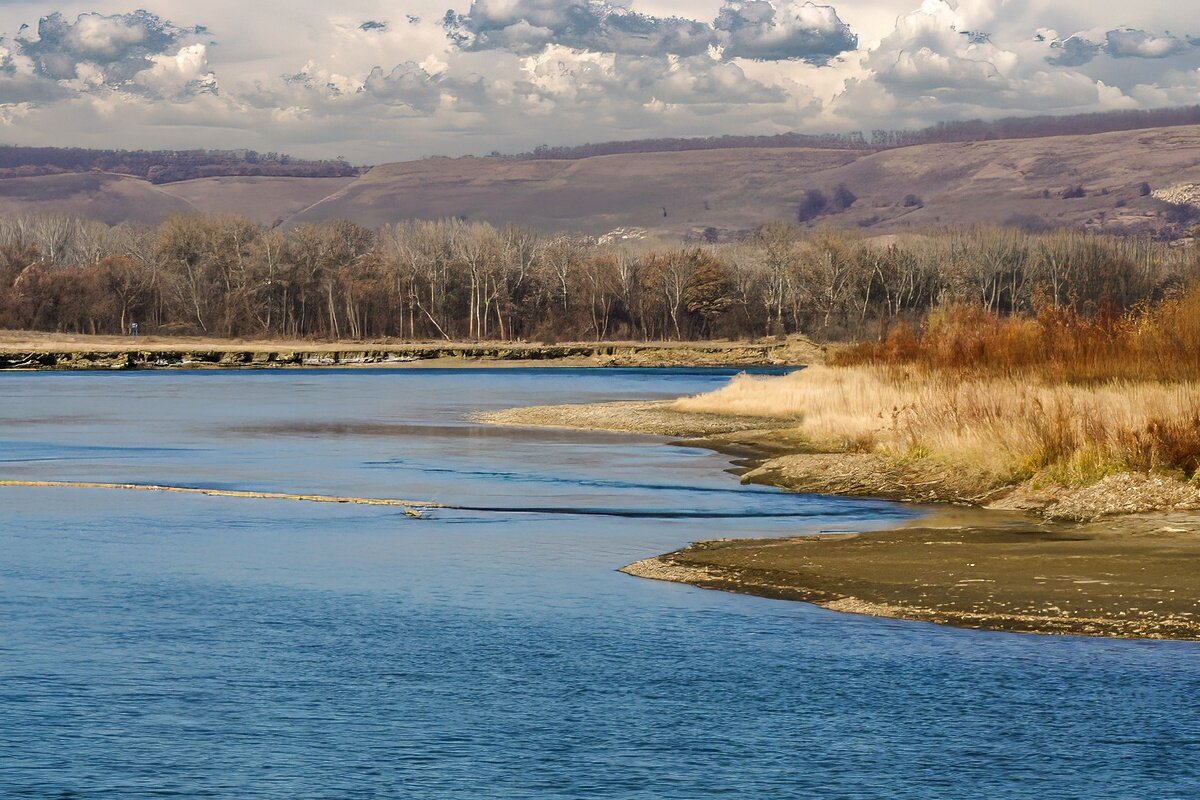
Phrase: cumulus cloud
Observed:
(406, 84)
(780, 30)
(117, 46)
(407, 89)
(1074, 51)
(772, 30)
(938, 64)
(610, 79)
(182, 74)
(1130, 43)
(927, 53)
(926, 70)
(20, 82)
(524, 26)
(137, 53)
(1079, 49)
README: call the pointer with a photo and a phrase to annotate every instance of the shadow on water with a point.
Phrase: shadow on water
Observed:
(538, 478)
(642, 513)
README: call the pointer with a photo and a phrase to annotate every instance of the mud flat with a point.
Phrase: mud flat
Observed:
(1132, 577)
(34, 351)
(1116, 559)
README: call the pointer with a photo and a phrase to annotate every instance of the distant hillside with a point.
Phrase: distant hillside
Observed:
(163, 166)
(734, 187)
(108, 198)
(1117, 182)
(267, 201)
(1092, 181)
(114, 199)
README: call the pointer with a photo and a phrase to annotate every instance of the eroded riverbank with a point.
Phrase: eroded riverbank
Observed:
(32, 351)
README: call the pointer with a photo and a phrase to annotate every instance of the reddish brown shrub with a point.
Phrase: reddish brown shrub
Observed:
(1160, 342)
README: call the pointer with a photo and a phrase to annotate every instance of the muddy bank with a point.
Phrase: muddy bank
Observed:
(116, 353)
(1133, 577)
(1025, 568)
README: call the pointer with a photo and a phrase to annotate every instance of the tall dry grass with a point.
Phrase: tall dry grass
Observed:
(1018, 426)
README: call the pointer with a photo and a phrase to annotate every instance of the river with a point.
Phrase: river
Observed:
(165, 645)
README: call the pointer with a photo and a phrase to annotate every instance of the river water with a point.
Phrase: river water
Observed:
(165, 645)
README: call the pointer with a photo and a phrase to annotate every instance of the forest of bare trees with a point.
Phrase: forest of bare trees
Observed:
(224, 276)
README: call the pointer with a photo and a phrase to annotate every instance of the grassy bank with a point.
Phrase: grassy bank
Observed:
(1018, 437)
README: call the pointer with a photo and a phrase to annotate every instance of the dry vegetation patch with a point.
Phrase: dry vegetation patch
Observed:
(937, 435)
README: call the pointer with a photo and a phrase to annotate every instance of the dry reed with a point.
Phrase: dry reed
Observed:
(1016, 426)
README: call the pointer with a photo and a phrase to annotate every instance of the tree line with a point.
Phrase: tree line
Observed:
(976, 130)
(164, 166)
(450, 279)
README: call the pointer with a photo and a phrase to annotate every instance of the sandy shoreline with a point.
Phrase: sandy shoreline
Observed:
(1119, 575)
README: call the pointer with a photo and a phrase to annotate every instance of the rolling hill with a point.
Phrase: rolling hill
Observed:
(267, 201)
(1094, 181)
(91, 195)
(119, 198)
(1016, 181)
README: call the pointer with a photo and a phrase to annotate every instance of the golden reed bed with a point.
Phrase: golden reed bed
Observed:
(1017, 428)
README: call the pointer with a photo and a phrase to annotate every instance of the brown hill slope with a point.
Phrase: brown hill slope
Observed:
(1019, 180)
(741, 188)
(266, 200)
(732, 189)
(119, 198)
(90, 195)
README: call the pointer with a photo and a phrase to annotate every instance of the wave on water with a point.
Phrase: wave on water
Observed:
(590, 483)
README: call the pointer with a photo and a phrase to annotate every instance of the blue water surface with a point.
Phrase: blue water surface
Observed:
(165, 645)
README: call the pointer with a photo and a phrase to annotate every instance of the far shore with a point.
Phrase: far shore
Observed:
(1011, 567)
(47, 351)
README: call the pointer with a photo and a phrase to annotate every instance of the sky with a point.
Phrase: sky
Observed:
(383, 81)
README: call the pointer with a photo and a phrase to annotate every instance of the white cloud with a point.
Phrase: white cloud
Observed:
(117, 46)
(1130, 43)
(376, 80)
(1080, 48)
(181, 74)
(773, 30)
(779, 30)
